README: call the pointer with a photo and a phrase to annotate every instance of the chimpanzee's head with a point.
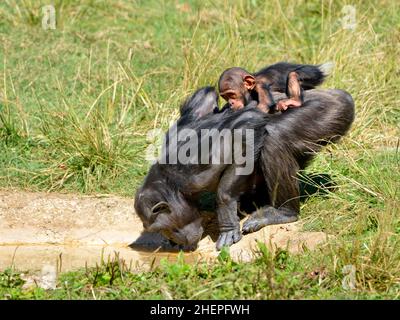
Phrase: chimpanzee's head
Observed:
(167, 212)
(235, 86)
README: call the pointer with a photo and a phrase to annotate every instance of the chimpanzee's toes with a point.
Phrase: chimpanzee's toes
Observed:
(228, 238)
(237, 236)
(254, 224)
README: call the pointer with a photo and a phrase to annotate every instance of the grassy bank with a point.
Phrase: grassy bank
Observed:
(77, 104)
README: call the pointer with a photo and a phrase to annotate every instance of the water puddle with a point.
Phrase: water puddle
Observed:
(71, 232)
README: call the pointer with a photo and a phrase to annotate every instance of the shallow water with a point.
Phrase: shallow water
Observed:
(71, 231)
(64, 257)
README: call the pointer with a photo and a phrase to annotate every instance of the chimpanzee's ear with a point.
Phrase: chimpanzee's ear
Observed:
(157, 222)
(249, 82)
(202, 102)
(161, 207)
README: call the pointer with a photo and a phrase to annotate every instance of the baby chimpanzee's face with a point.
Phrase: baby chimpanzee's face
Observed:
(234, 98)
(235, 85)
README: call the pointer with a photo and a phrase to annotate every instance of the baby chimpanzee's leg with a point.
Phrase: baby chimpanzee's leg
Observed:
(294, 91)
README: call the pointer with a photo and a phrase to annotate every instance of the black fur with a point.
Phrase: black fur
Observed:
(310, 76)
(167, 202)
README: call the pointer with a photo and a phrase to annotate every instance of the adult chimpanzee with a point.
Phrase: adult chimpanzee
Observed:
(284, 143)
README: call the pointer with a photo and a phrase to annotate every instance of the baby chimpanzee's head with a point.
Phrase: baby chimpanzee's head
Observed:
(235, 86)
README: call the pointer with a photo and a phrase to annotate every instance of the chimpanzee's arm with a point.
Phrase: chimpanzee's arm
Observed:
(266, 102)
(230, 188)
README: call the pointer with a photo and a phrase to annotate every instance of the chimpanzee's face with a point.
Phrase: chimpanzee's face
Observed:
(233, 94)
(188, 235)
(235, 85)
(237, 95)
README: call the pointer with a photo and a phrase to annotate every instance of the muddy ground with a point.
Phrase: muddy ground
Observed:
(70, 231)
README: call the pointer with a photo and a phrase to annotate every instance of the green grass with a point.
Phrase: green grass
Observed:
(270, 276)
(76, 104)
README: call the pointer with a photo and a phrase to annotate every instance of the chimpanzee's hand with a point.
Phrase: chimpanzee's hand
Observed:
(228, 238)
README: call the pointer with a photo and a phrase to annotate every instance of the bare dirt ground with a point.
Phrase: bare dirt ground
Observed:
(70, 231)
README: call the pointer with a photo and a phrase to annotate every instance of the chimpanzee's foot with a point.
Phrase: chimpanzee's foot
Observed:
(228, 238)
(268, 216)
(285, 104)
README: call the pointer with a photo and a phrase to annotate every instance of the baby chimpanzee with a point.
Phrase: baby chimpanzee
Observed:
(239, 87)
